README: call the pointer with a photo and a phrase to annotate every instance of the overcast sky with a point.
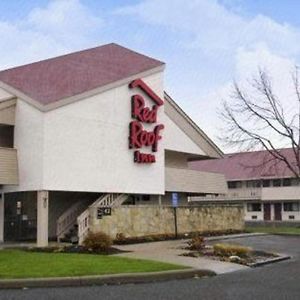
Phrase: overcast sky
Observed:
(205, 43)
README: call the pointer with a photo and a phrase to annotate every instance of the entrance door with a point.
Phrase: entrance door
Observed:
(277, 211)
(19, 221)
(267, 211)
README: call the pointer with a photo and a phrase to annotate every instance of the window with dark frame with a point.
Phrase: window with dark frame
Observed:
(276, 182)
(253, 207)
(286, 182)
(234, 184)
(291, 206)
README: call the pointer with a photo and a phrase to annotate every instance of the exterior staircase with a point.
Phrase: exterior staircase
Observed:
(84, 219)
(67, 223)
(74, 224)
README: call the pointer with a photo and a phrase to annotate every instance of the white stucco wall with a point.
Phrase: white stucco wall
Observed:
(86, 145)
(28, 140)
(175, 139)
(83, 146)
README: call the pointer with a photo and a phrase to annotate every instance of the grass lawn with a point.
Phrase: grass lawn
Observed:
(22, 264)
(285, 230)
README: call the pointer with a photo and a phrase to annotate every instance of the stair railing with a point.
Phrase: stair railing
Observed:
(68, 219)
(84, 219)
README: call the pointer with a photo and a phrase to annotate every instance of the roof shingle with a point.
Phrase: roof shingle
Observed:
(247, 165)
(57, 78)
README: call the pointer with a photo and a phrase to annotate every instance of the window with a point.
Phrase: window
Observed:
(254, 217)
(292, 217)
(253, 183)
(253, 207)
(234, 184)
(277, 182)
(291, 206)
(295, 181)
(287, 182)
(266, 183)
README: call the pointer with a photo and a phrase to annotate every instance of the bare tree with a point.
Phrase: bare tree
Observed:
(257, 118)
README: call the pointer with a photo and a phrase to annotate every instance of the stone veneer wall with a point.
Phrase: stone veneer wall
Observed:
(135, 221)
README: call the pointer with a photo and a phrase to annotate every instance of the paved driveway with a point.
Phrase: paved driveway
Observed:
(169, 251)
(275, 282)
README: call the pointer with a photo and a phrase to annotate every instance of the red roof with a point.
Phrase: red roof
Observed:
(247, 165)
(54, 79)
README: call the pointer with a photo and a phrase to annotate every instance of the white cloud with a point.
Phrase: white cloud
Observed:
(212, 28)
(218, 34)
(61, 26)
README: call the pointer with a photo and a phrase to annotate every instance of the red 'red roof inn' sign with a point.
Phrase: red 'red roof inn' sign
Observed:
(138, 136)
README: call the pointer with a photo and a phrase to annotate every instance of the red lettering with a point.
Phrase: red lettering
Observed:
(157, 136)
(135, 131)
(140, 137)
(142, 85)
(143, 157)
(142, 113)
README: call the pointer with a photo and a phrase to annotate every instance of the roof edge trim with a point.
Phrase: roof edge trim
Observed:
(78, 97)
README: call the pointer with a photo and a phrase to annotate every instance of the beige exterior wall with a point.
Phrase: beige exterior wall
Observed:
(7, 112)
(280, 193)
(150, 220)
(175, 159)
(185, 180)
(4, 95)
(8, 166)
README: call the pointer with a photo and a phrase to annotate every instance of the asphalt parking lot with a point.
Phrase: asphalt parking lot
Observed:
(276, 281)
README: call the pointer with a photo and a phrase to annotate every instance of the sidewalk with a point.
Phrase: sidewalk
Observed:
(169, 251)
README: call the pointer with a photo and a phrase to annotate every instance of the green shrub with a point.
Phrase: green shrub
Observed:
(196, 243)
(120, 237)
(97, 242)
(231, 250)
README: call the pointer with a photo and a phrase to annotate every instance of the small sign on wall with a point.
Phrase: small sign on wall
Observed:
(175, 199)
(103, 211)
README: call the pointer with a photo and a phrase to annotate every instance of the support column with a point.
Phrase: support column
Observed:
(159, 200)
(42, 218)
(1, 217)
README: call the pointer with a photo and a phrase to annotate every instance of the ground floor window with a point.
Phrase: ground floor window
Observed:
(291, 206)
(254, 207)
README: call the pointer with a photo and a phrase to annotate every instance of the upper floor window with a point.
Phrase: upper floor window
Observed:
(287, 182)
(266, 183)
(295, 181)
(234, 184)
(276, 182)
(253, 183)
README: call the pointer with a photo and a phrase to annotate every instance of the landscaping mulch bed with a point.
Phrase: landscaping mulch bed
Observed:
(252, 258)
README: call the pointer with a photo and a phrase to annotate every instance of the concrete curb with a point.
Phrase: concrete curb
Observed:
(114, 279)
(270, 261)
(234, 236)
(286, 234)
